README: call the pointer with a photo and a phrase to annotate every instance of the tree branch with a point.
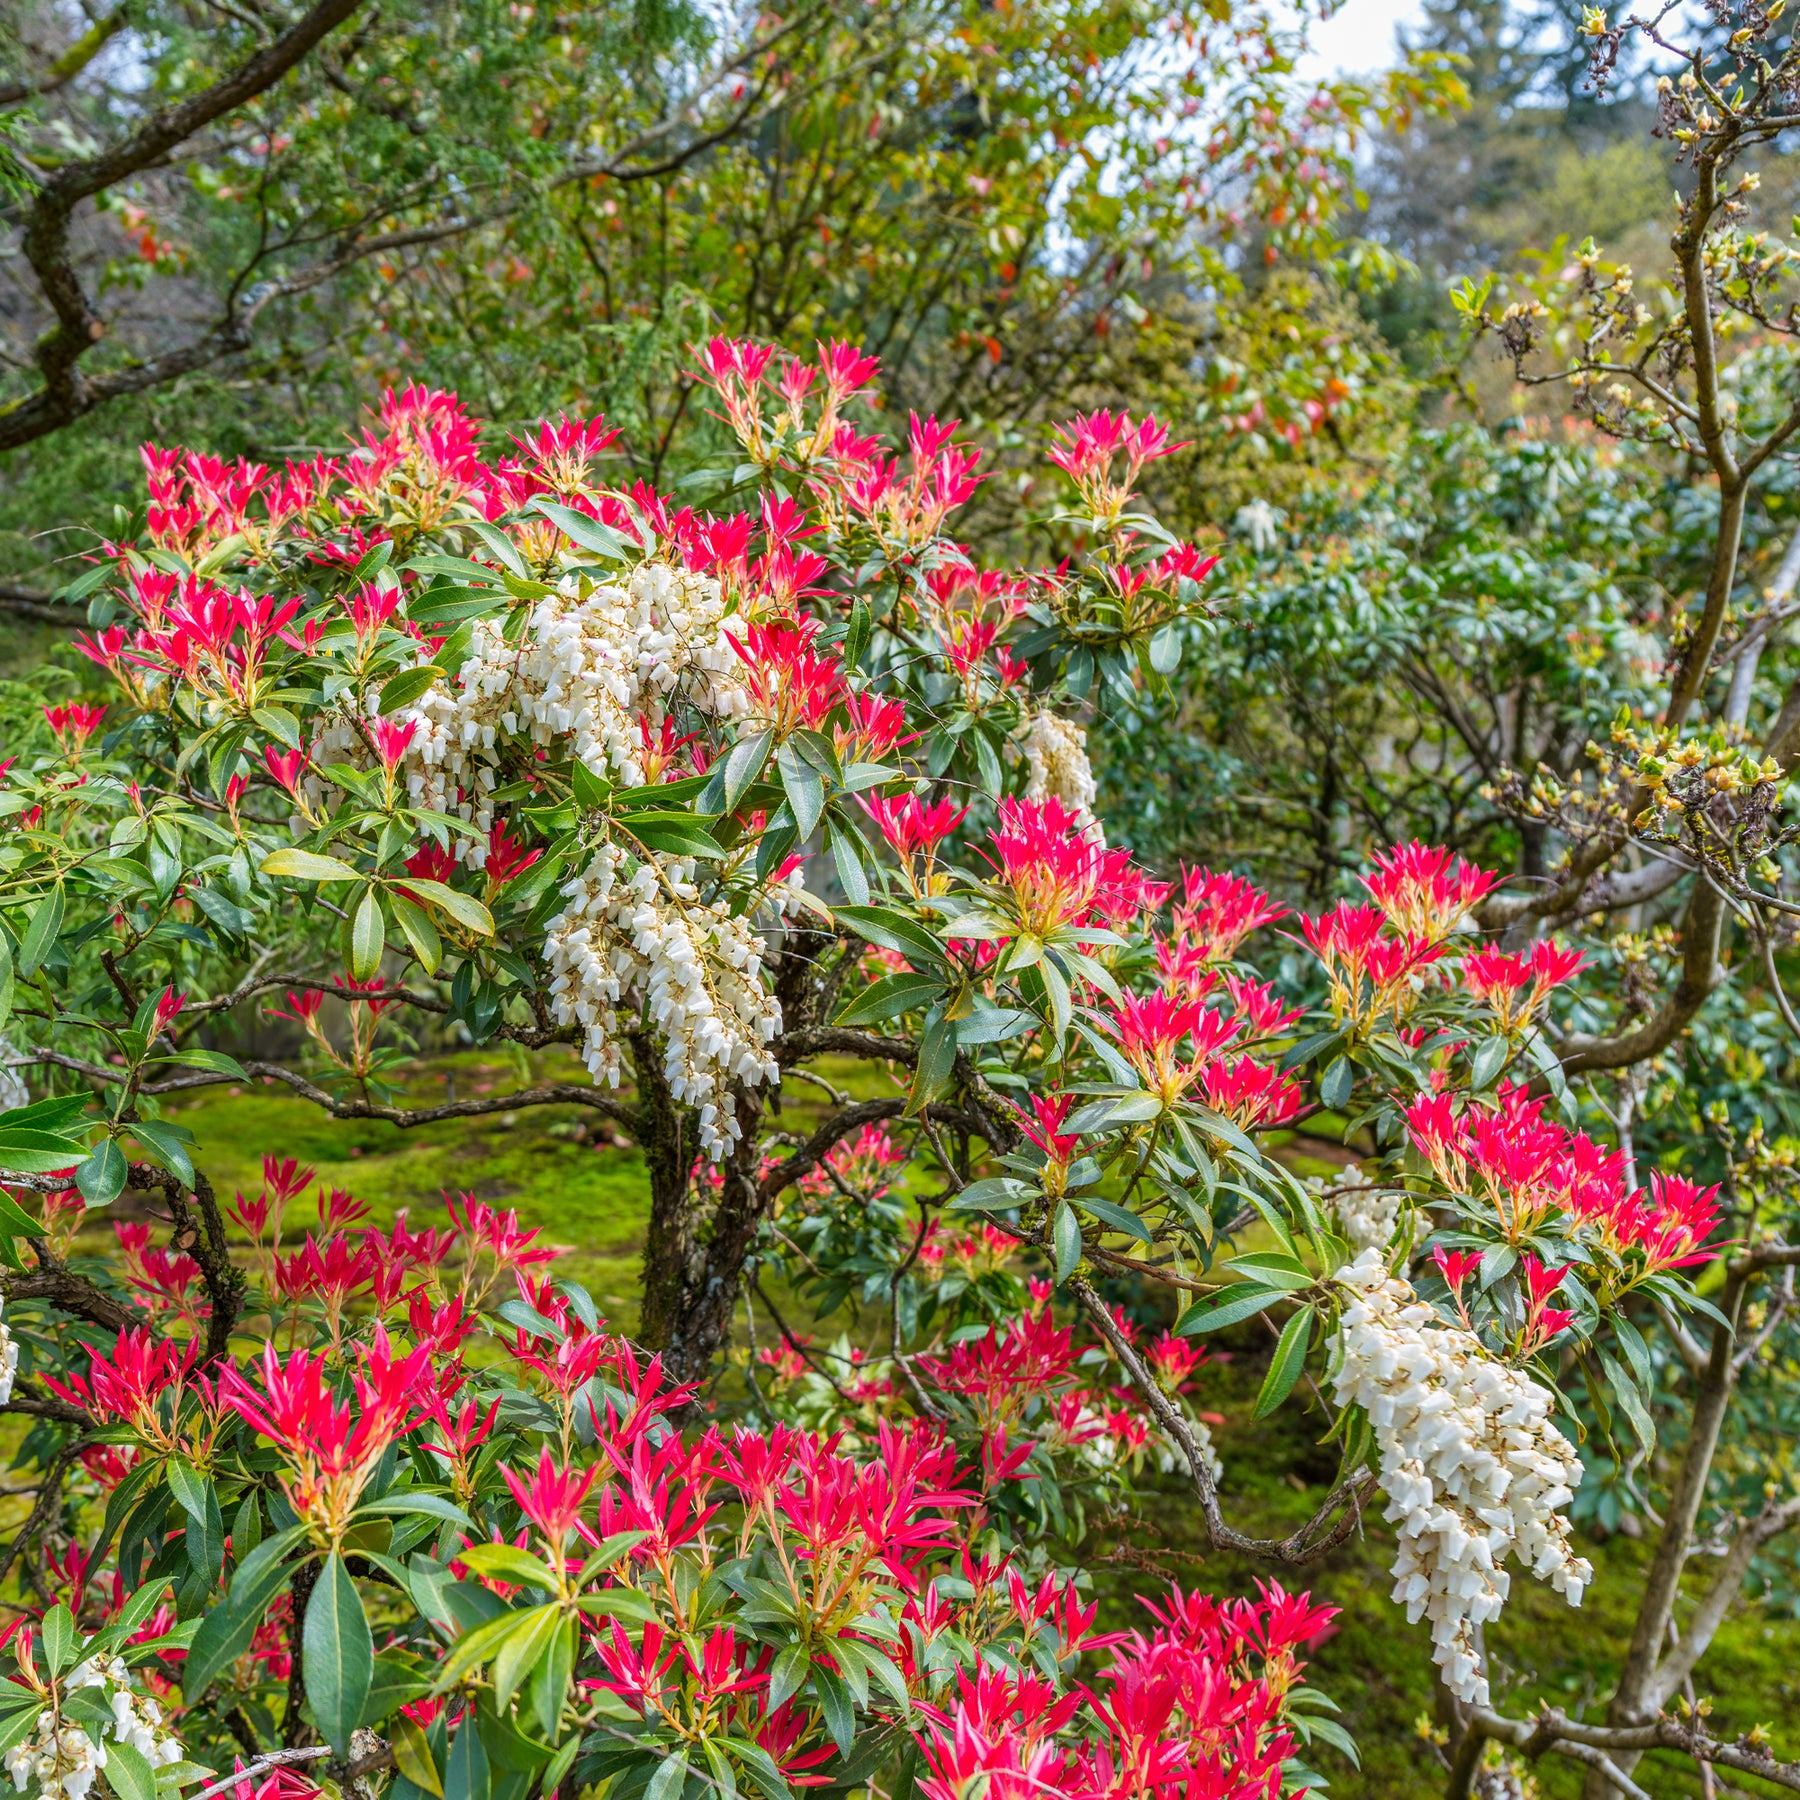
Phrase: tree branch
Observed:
(1700, 975)
(72, 1294)
(63, 395)
(1312, 1541)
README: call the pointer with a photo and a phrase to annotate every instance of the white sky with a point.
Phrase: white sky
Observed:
(1359, 38)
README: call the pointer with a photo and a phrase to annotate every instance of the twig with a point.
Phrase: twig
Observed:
(47, 1498)
(803, 1351)
(276, 1759)
(927, 1405)
(1299, 1547)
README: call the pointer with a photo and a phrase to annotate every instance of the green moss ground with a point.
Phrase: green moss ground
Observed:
(594, 1199)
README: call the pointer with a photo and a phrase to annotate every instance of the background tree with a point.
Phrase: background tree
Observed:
(544, 211)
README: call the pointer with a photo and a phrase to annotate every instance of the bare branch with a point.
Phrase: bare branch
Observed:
(72, 61)
(64, 395)
(1700, 975)
(1316, 1538)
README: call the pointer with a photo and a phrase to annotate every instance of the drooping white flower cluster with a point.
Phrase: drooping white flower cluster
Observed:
(67, 1760)
(1056, 763)
(1473, 1468)
(637, 934)
(9, 1364)
(1367, 1213)
(588, 666)
(63, 1762)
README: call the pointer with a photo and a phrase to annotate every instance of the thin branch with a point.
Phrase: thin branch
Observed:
(47, 1499)
(407, 1117)
(1554, 1730)
(1314, 1539)
(276, 1759)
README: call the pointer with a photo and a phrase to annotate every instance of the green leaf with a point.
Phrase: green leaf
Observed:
(560, 1764)
(847, 861)
(1065, 1236)
(1329, 1731)
(674, 834)
(416, 927)
(169, 1144)
(518, 1656)
(303, 865)
(227, 1628)
(501, 548)
(935, 1067)
(590, 534)
(1487, 1062)
(889, 997)
(1631, 1402)
(1118, 1217)
(477, 1645)
(805, 790)
(216, 1062)
(787, 1674)
(188, 1486)
(41, 933)
(368, 936)
(1272, 1268)
(62, 1113)
(337, 1654)
(1232, 1304)
(409, 1500)
(406, 687)
(670, 1776)
(28, 1152)
(413, 1758)
(206, 1539)
(1335, 1084)
(724, 1780)
(619, 1603)
(280, 724)
(57, 1634)
(550, 1681)
(466, 1767)
(834, 1703)
(873, 1662)
(101, 1177)
(892, 930)
(748, 758)
(398, 1680)
(1285, 1366)
(856, 633)
(128, 1772)
(510, 1563)
(465, 909)
(993, 1193)
(759, 1765)
(137, 1610)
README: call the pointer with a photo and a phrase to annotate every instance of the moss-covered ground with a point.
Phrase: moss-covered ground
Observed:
(566, 1173)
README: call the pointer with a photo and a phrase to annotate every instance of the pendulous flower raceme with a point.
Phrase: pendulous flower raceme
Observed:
(1474, 1471)
(639, 934)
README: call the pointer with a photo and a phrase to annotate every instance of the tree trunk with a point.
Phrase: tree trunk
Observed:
(1638, 1696)
(693, 1263)
(666, 1138)
(695, 1316)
